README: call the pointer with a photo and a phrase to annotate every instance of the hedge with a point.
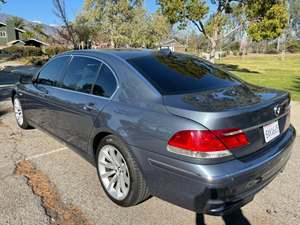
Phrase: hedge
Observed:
(24, 51)
(56, 49)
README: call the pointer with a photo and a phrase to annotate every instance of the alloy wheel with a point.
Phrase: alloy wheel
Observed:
(18, 111)
(114, 173)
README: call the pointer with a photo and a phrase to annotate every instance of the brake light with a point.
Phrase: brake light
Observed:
(207, 144)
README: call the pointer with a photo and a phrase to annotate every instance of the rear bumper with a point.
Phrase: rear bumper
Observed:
(214, 189)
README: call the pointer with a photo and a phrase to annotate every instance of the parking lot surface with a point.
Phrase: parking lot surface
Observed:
(77, 183)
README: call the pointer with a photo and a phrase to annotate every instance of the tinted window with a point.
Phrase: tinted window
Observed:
(106, 83)
(50, 74)
(81, 74)
(179, 73)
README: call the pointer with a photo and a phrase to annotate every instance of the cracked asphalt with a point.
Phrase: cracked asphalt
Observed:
(77, 183)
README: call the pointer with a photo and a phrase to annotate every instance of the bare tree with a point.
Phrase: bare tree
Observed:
(60, 12)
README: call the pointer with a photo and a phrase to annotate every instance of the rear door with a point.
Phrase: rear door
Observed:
(80, 98)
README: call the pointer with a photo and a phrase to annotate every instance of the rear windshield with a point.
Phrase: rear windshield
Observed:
(179, 73)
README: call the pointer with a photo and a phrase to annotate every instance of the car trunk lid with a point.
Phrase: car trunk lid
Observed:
(243, 106)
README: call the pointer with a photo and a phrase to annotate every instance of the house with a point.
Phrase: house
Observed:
(173, 45)
(9, 33)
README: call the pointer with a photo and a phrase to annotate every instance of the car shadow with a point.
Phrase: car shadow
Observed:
(233, 67)
(235, 218)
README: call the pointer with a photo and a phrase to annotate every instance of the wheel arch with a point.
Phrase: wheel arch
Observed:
(97, 139)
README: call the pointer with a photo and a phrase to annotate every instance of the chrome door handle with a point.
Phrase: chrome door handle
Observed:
(89, 107)
(43, 94)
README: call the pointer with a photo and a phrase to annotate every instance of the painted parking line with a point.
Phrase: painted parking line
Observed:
(6, 85)
(44, 154)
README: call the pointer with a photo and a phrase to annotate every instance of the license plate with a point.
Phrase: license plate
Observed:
(271, 131)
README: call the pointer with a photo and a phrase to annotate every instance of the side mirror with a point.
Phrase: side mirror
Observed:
(34, 79)
(25, 79)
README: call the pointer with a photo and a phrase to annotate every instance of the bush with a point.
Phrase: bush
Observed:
(233, 46)
(53, 50)
(38, 60)
(293, 46)
(24, 51)
(272, 51)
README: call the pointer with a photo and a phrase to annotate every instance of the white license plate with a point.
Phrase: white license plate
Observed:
(271, 131)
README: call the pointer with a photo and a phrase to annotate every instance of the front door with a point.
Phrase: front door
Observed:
(77, 101)
(37, 107)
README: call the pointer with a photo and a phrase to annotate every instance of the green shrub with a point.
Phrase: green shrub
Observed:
(38, 60)
(233, 46)
(56, 49)
(293, 46)
(24, 51)
(272, 51)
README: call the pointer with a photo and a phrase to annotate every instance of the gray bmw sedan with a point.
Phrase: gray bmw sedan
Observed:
(159, 123)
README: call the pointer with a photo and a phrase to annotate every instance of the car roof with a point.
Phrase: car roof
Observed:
(122, 53)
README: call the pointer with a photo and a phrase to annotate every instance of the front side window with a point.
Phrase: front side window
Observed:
(81, 74)
(51, 73)
(106, 83)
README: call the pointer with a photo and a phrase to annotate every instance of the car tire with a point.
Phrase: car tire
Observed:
(19, 115)
(116, 164)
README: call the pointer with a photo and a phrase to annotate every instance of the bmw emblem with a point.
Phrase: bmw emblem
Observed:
(277, 110)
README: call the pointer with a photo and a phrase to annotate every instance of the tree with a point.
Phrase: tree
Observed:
(125, 23)
(38, 29)
(67, 31)
(294, 16)
(16, 22)
(112, 18)
(28, 35)
(158, 29)
(210, 22)
(267, 19)
(83, 31)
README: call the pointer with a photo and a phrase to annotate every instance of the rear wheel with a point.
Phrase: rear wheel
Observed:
(119, 174)
(21, 120)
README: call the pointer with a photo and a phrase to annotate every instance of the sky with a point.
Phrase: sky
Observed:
(42, 10)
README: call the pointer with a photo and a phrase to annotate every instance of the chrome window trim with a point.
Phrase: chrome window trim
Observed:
(49, 61)
(73, 91)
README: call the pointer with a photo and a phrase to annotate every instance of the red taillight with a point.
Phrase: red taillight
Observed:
(207, 144)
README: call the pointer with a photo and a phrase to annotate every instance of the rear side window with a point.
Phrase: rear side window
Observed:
(81, 74)
(51, 73)
(179, 73)
(106, 83)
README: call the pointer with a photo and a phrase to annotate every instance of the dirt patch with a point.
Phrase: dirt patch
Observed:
(58, 212)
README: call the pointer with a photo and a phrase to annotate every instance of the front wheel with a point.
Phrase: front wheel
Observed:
(21, 120)
(119, 174)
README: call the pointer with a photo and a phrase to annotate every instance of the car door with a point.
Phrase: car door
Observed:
(76, 105)
(37, 104)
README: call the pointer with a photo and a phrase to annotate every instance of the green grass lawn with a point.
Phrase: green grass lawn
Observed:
(267, 70)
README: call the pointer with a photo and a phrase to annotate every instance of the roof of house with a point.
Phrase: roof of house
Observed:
(16, 28)
(15, 41)
(36, 40)
(19, 29)
(170, 41)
